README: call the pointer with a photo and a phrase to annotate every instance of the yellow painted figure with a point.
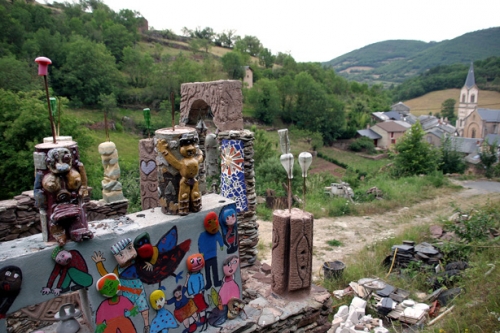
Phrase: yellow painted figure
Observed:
(188, 166)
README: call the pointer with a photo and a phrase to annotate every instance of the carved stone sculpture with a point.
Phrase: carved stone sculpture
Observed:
(111, 187)
(189, 196)
(223, 98)
(292, 251)
(60, 189)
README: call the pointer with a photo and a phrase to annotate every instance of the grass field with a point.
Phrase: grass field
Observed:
(431, 102)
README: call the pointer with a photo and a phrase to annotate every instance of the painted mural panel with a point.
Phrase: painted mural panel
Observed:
(139, 277)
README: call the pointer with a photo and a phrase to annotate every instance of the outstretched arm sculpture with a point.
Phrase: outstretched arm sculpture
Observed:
(189, 198)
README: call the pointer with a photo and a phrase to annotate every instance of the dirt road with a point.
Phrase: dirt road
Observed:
(357, 231)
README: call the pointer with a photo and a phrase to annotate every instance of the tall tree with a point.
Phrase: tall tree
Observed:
(264, 97)
(448, 110)
(233, 64)
(413, 154)
(89, 71)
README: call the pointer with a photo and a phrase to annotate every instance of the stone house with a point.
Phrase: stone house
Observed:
(248, 78)
(481, 122)
(401, 108)
(389, 131)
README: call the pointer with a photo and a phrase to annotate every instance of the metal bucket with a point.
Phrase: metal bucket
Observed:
(333, 269)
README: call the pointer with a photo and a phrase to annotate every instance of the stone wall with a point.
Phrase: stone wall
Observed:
(20, 218)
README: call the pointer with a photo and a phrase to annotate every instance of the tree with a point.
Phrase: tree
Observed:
(248, 44)
(138, 66)
(413, 155)
(488, 157)
(266, 58)
(233, 65)
(451, 161)
(23, 124)
(264, 97)
(448, 110)
(15, 75)
(89, 71)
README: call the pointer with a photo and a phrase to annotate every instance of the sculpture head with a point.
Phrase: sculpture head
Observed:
(211, 223)
(188, 144)
(108, 285)
(142, 245)
(11, 279)
(157, 299)
(62, 257)
(59, 160)
(195, 262)
(124, 252)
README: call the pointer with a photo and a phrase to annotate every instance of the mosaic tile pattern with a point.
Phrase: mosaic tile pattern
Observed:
(232, 173)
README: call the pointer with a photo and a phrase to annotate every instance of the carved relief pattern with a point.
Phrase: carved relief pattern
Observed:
(149, 174)
(224, 98)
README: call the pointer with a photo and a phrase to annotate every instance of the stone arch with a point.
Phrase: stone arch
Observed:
(472, 131)
(224, 99)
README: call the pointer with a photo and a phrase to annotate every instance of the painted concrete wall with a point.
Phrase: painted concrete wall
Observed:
(33, 257)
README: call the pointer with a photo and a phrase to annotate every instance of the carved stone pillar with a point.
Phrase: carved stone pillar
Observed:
(292, 251)
(149, 174)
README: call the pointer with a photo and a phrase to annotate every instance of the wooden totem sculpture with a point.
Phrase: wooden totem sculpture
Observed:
(60, 189)
(189, 196)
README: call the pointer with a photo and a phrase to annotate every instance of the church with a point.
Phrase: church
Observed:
(474, 122)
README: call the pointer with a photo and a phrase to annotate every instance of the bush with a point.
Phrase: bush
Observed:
(363, 144)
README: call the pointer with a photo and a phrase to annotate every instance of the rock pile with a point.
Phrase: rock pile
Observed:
(247, 221)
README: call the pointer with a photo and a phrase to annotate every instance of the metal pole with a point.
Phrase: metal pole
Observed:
(52, 127)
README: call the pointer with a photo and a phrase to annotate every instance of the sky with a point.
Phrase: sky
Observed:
(321, 30)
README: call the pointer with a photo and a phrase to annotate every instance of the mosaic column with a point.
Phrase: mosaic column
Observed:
(149, 174)
(238, 184)
(175, 176)
(292, 251)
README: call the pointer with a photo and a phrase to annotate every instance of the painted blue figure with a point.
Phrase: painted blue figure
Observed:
(207, 245)
(164, 319)
(229, 226)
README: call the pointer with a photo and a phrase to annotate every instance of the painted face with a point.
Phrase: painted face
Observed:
(10, 279)
(230, 266)
(59, 160)
(231, 219)
(195, 262)
(157, 299)
(211, 223)
(108, 285)
(63, 258)
(125, 256)
(178, 293)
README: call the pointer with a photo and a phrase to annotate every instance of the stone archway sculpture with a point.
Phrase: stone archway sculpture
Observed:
(224, 98)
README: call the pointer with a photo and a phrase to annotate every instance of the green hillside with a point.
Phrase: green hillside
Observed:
(392, 62)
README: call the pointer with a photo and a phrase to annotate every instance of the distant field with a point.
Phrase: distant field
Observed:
(431, 102)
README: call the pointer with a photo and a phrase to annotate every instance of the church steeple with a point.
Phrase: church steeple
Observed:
(470, 81)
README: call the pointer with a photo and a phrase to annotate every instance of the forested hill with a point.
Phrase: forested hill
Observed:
(394, 61)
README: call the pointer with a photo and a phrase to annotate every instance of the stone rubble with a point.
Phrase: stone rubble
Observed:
(20, 218)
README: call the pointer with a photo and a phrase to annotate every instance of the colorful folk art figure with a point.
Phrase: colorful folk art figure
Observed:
(164, 318)
(131, 284)
(230, 288)
(196, 284)
(207, 245)
(72, 271)
(185, 311)
(234, 307)
(155, 263)
(60, 188)
(11, 279)
(228, 219)
(113, 314)
(189, 197)
(217, 315)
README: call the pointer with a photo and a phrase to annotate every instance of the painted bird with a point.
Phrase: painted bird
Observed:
(156, 263)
